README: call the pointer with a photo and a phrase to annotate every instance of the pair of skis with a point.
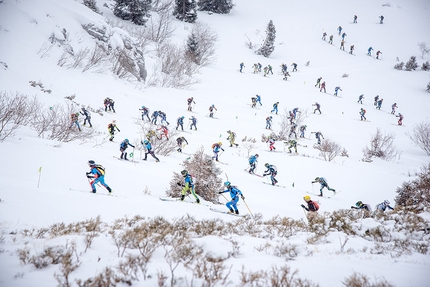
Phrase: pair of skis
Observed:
(194, 202)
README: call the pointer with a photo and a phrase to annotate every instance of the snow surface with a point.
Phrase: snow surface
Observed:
(25, 27)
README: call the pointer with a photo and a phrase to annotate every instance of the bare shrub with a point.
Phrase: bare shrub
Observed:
(123, 64)
(381, 146)
(78, 58)
(421, 136)
(15, 110)
(360, 280)
(249, 43)
(159, 29)
(160, 145)
(423, 49)
(95, 58)
(399, 66)
(206, 175)
(415, 195)
(411, 64)
(329, 150)
(211, 270)
(68, 264)
(249, 144)
(63, 59)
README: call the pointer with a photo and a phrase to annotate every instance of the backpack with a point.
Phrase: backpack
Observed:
(268, 118)
(110, 126)
(100, 169)
(214, 145)
(317, 206)
(364, 111)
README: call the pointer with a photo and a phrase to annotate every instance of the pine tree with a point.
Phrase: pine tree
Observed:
(92, 4)
(137, 11)
(269, 44)
(192, 51)
(411, 64)
(216, 6)
(185, 10)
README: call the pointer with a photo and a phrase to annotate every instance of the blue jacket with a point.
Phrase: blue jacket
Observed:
(148, 146)
(234, 192)
(252, 159)
(189, 181)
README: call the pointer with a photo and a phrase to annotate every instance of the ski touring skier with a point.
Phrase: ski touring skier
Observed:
(323, 87)
(150, 134)
(97, 174)
(253, 160)
(342, 45)
(163, 117)
(112, 127)
(361, 205)
(312, 206)
(253, 102)
(393, 108)
(292, 144)
(272, 171)
(376, 100)
(188, 186)
(180, 123)
(164, 131)
(286, 75)
(275, 107)
(318, 82)
(336, 90)
(339, 29)
(266, 70)
(255, 67)
(360, 99)
(324, 35)
(362, 114)
(293, 130)
(216, 148)
(318, 136)
(381, 19)
(190, 102)
(383, 206)
(154, 117)
(343, 35)
(74, 121)
(400, 121)
(269, 69)
(284, 68)
(271, 142)
(294, 65)
(258, 99)
(193, 123)
(369, 51)
(330, 41)
(211, 110)
(147, 145)
(323, 183)
(269, 123)
(351, 49)
(378, 54)
(355, 19)
(87, 115)
(145, 113)
(379, 104)
(317, 107)
(291, 117)
(123, 146)
(181, 142)
(303, 130)
(295, 111)
(234, 194)
(232, 137)
(241, 65)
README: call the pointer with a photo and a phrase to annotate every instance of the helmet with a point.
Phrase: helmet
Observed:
(271, 117)
(91, 162)
(213, 105)
(306, 198)
(256, 155)
(220, 143)
(306, 126)
(386, 202)
(266, 165)
(317, 178)
(145, 141)
(184, 172)
(227, 184)
(83, 109)
(229, 131)
(182, 117)
(359, 203)
(126, 140)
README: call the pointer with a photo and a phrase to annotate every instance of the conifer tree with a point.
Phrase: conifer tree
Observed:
(269, 43)
(136, 11)
(92, 4)
(411, 64)
(185, 10)
(216, 6)
(192, 50)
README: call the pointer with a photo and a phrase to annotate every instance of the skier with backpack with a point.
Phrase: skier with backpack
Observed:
(97, 174)
(323, 87)
(272, 171)
(294, 65)
(318, 82)
(317, 107)
(258, 99)
(303, 130)
(339, 29)
(362, 114)
(393, 108)
(351, 49)
(336, 90)
(400, 121)
(180, 122)
(87, 115)
(180, 142)
(379, 104)
(378, 54)
(189, 186)
(269, 123)
(292, 144)
(271, 142)
(254, 102)
(253, 160)
(381, 19)
(164, 131)
(242, 65)
(74, 120)
(318, 136)
(145, 112)
(190, 102)
(376, 100)
(211, 110)
(193, 123)
(293, 130)
(360, 99)
(123, 146)
(369, 51)
(323, 182)
(163, 117)
(111, 128)
(383, 206)
(330, 41)
(234, 194)
(154, 117)
(216, 148)
(360, 205)
(313, 206)
(355, 19)
(275, 107)
(231, 137)
(147, 145)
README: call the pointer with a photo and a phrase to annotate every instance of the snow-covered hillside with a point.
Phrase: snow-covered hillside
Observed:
(26, 28)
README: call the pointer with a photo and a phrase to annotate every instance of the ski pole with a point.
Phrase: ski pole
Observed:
(248, 209)
(313, 188)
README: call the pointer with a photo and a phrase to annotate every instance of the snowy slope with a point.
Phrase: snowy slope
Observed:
(25, 28)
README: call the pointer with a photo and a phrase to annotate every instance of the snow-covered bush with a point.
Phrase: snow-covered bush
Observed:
(136, 11)
(381, 146)
(329, 149)
(361, 280)
(206, 174)
(216, 6)
(269, 43)
(415, 195)
(411, 64)
(399, 66)
(92, 4)
(421, 135)
(425, 66)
